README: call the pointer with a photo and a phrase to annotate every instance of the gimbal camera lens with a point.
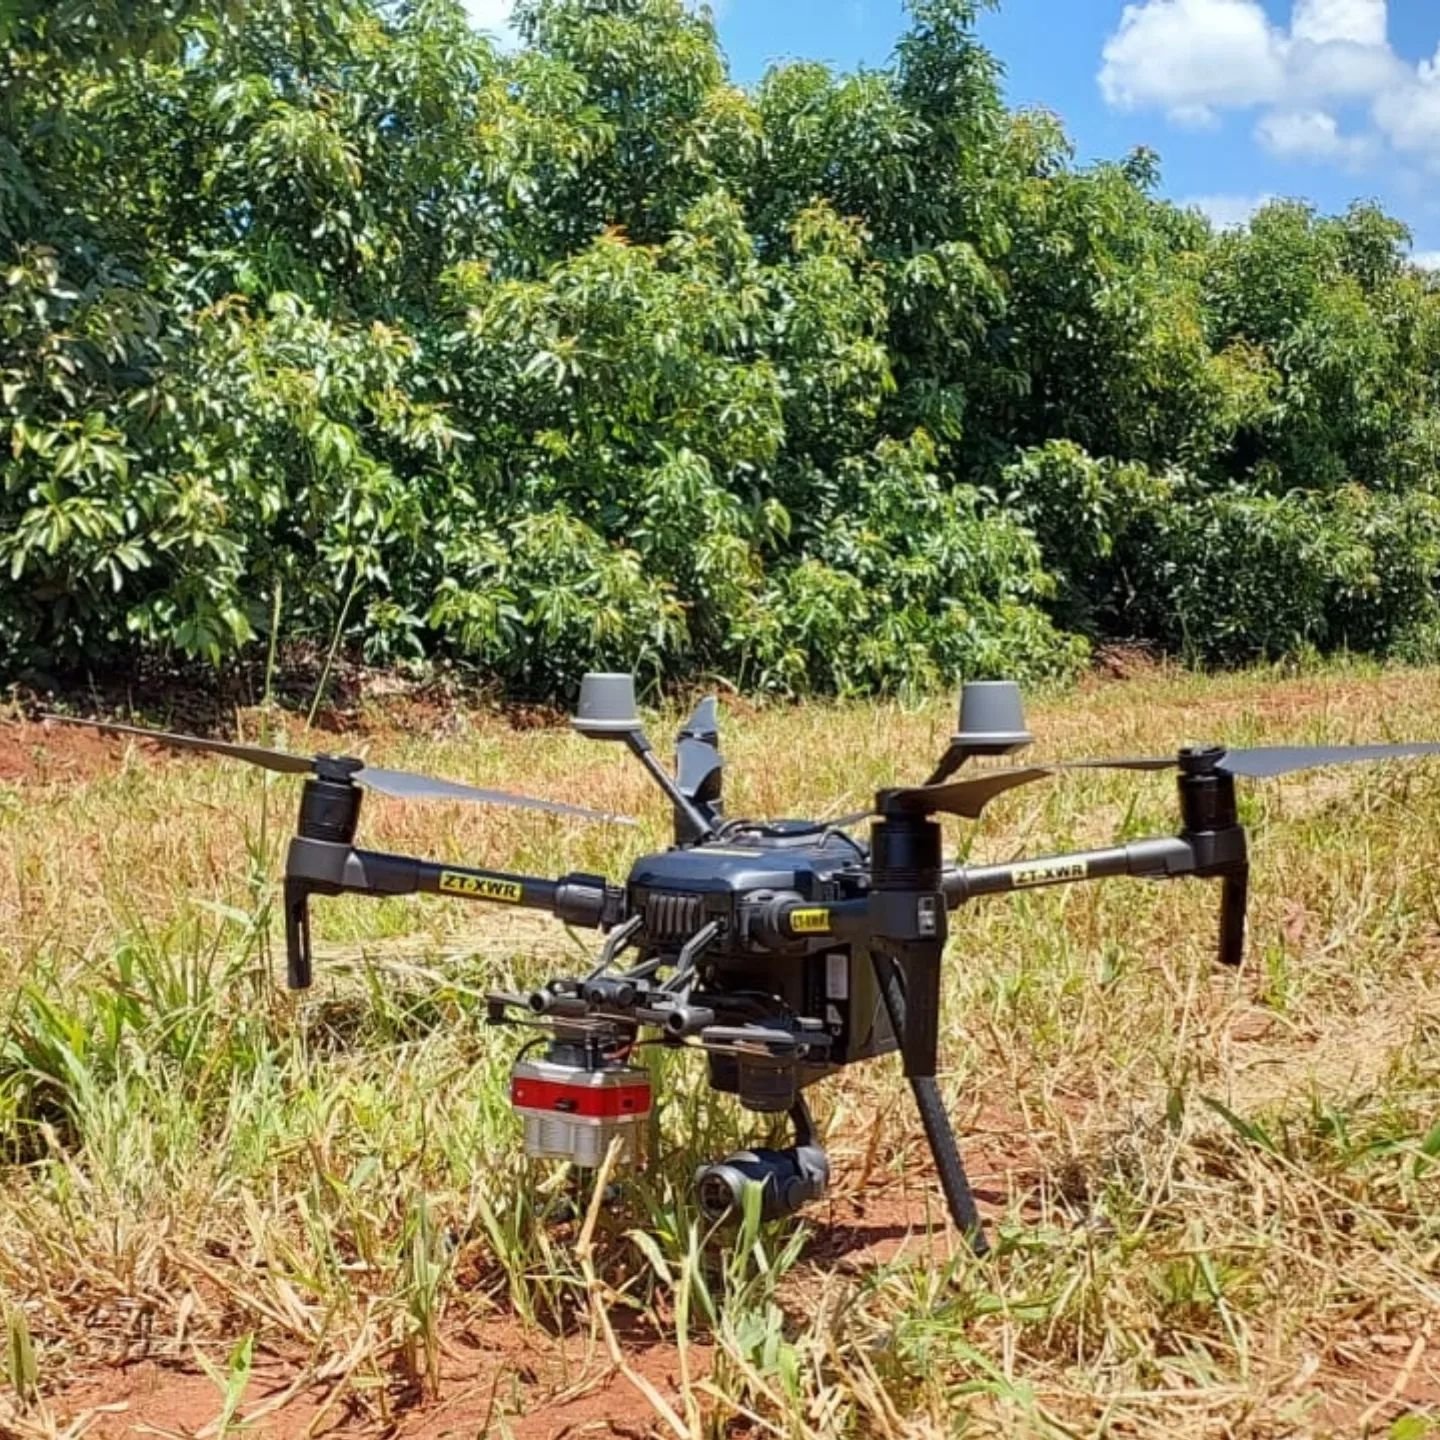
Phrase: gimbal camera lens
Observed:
(720, 1190)
(789, 1179)
(688, 1020)
(549, 1002)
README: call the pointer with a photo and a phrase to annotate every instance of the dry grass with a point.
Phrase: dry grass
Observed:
(1218, 1197)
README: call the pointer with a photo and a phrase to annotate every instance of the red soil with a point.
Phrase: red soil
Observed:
(35, 753)
(499, 1371)
(502, 1378)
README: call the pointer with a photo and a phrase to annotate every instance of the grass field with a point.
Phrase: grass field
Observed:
(1217, 1197)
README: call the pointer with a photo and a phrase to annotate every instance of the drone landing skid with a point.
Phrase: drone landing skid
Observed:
(944, 1147)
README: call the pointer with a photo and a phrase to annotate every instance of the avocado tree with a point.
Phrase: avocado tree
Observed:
(579, 354)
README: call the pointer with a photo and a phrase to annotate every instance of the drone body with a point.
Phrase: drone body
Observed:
(783, 950)
(741, 884)
(773, 1016)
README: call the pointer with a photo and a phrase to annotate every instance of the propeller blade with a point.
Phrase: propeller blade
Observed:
(1272, 760)
(698, 763)
(1161, 762)
(397, 783)
(279, 761)
(1269, 761)
(699, 756)
(967, 798)
(704, 724)
(402, 785)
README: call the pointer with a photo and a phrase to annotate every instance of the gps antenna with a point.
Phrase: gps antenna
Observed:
(607, 711)
(992, 722)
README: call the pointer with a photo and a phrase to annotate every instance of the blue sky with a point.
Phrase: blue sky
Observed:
(1329, 100)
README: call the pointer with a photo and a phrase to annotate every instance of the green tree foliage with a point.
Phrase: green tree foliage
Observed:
(580, 355)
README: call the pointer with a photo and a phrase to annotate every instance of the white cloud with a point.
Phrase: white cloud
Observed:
(1227, 212)
(1309, 135)
(1196, 58)
(1409, 113)
(1427, 259)
(1410, 118)
(1339, 70)
(492, 16)
(1190, 57)
(1322, 22)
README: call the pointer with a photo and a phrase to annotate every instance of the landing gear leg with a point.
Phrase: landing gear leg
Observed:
(938, 1129)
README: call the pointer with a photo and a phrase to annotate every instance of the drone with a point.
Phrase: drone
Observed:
(784, 950)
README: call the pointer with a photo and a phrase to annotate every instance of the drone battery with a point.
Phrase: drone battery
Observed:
(572, 1111)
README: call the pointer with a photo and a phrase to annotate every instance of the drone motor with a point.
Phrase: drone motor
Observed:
(577, 1097)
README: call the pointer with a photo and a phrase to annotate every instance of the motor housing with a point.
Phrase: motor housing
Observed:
(575, 1098)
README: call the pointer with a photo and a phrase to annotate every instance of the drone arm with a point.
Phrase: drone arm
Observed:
(1209, 855)
(576, 899)
(1219, 853)
(1153, 859)
(784, 922)
(320, 867)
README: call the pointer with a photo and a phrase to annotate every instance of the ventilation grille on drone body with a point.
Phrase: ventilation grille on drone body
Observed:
(673, 917)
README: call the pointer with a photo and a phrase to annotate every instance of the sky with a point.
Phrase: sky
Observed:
(1327, 100)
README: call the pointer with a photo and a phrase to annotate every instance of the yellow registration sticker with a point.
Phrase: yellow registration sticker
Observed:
(504, 892)
(809, 922)
(1049, 872)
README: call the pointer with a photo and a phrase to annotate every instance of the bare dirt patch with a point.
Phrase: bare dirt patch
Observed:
(35, 753)
(499, 1378)
(496, 1380)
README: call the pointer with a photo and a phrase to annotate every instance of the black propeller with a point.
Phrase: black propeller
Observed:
(968, 798)
(1269, 761)
(699, 764)
(400, 784)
